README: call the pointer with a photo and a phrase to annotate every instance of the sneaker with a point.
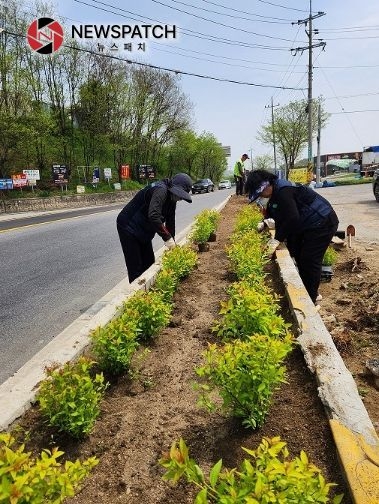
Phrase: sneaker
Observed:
(319, 297)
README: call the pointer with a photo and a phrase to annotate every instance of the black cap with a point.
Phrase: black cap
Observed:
(181, 186)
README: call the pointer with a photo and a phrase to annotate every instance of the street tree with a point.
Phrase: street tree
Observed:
(290, 129)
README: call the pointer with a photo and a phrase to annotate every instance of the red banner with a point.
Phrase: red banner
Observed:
(125, 171)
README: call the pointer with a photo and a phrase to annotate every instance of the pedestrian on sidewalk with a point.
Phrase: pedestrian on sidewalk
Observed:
(239, 174)
(303, 218)
(152, 210)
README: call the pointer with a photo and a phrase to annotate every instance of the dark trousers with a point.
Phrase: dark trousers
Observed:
(239, 185)
(138, 256)
(308, 249)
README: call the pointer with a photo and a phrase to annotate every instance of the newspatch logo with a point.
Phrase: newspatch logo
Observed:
(45, 35)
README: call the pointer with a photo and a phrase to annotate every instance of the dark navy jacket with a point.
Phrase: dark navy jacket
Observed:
(150, 211)
(297, 208)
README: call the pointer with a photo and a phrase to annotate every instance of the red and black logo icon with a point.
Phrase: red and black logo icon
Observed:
(45, 35)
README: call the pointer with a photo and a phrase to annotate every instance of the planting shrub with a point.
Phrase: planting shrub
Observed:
(38, 480)
(150, 310)
(245, 374)
(180, 261)
(204, 225)
(268, 476)
(330, 257)
(249, 310)
(166, 283)
(213, 216)
(248, 219)
(69, 398)
(114, 345)
(245, 255)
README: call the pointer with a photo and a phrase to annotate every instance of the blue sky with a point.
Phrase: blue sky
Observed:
(257, 37)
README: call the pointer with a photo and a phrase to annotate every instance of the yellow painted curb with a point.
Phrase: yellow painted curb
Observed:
(360, 463)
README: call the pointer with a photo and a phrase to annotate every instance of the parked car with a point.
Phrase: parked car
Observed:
(203, 185)
(375, 184)
(224, 184)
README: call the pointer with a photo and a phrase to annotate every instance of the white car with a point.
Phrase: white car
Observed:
(225, 184)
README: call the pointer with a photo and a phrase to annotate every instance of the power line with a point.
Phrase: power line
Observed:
(243, 12)
(156, 67)
(265, 20)
(353, 111)
(184, 31)
(221, 62)
(282, 6)
(220, 24)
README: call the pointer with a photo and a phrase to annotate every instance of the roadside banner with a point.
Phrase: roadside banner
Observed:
(6, 183)
(31, 174)
(19, 180)
(60, 174)
(300, 175)
(124, 171)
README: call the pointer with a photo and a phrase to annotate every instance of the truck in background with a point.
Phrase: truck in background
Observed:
(370, 160)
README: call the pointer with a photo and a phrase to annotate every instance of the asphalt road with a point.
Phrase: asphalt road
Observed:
(355, 205)
(56, 265)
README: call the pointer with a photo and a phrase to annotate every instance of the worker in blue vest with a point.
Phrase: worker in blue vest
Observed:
(151, 211)
(239, 174)
(303, 219)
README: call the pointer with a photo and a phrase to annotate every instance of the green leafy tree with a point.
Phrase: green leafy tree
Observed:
(291, 129)
(263, 162)
(210, 160)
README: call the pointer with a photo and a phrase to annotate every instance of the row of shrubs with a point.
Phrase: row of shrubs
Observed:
(243, 370)
(69, 398)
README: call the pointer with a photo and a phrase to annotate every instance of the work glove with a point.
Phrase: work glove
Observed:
(270, 223)
(272, 245)
(260, 226)
(266, 223)
(170, 244)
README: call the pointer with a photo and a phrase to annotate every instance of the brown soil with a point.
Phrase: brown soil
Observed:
(143, 415)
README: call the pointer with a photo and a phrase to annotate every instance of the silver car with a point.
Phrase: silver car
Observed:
(224, 184)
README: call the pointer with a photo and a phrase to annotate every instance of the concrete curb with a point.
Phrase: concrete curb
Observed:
(356, 441)
(19, 391)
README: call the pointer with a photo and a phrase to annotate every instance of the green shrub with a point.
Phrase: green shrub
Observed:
(180, 261)
(205, 224)
(245, 254)
(213, 216)
(245, 374)
(150, 310)
(330, 257)
(250, 309)
(69, 398)
(114, 345)
(166, 282)
(38, 480)
(247, 219)
(201, 231)
(268, 476)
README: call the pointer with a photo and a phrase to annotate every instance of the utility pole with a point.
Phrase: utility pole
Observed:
(318, 143)
(308, 22)
(273, 129)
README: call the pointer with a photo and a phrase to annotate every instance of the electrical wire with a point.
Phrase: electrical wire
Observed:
(156, 67)
(184, 31)
(342, 108)
(265, 20)
(243, 12)
(218, 23)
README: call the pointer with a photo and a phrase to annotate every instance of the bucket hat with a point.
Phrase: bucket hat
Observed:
(180, 186)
